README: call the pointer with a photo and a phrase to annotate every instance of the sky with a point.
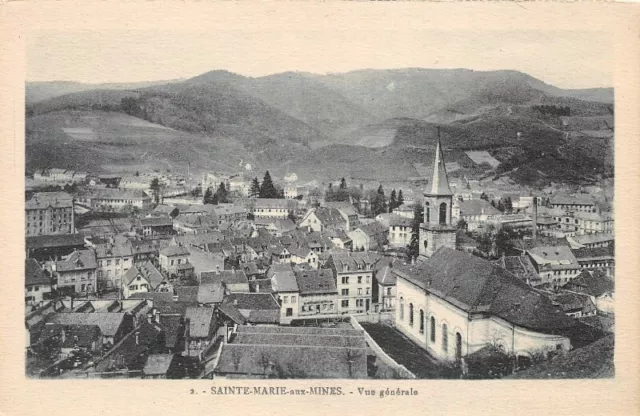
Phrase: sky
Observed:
(566, 55)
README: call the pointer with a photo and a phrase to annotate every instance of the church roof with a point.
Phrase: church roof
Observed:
(438, 182)
(478, 286)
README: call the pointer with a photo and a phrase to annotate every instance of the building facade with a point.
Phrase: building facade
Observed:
(49, 213)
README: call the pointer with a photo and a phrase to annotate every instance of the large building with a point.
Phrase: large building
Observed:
(354, 280)
(49, 213)
(454, 304)
(437, 230)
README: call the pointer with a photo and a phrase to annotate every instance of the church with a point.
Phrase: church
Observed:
(452, 303)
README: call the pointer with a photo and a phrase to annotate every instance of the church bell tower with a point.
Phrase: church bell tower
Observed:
(436, 230)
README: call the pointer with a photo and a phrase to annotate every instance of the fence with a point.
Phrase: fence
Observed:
(400, 369)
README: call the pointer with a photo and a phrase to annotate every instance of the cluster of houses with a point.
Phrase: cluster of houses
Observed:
(237, 290)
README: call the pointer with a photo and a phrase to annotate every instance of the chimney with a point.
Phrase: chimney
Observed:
(235, 302)
(157, 313)
(137, 337)
(64, 335)
(149, 317)
(534, 231)
(258, 287)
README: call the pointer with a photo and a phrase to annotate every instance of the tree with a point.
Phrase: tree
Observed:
(484, 196)
(508, 205)
(378, 202)
(500, 206)
(155, 187)
(343, 183)
(414, 245)
(400, 200)
(255, 188)
(392, 200)
(208, 196)
(502, 240)
(462, 224)
(222, 195)
(268, 189)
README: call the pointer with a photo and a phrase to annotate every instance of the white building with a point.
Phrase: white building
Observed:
(454, 304)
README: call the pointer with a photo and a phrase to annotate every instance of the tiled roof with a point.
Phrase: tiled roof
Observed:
(174, 250)
(284, 281)
(344, 207)
(78, 260)
(310, 340)
(232, 312)
(477, 207)
(200, 322)
(373, 229)
(33, 273)
(593, 238)
(210, 293)
(117, 194)
(43, 200)
(50, 241)
(158, 364)
(329, 216)
(272, 203)
(578, 199)
(519, 266)
(593, 253)
(399, 221)
(119, 249)
(291, 361)
(553, 257)
(316, 282)
(383, 273)
(80, 335)
(109, 323)
(229, 277)
(352, 260)
(155, 221)
(255, 301)
(477, 285)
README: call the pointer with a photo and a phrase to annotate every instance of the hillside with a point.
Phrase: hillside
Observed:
(369, 123)
(40, 91)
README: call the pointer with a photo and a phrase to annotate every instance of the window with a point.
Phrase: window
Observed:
(445, 338)
(433, 329)
(359, 279)
(411, 314)
(359, 291)
(108, 262)
(427, 213)
(368, 291)
(345, 280)
(289, 311)
(401, 309)
(293, 299)
(82, 288)
(100, 263)
(36, 288)
(172, 262)
(285, 299)
(422, 321)
(100, 273)
(117, 262)
(345, 303)
(345, 292)
(443, 213)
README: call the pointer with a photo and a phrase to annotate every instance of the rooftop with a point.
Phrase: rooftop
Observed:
(477, 207)
(200, 322)
(43, 200)
(478, 286)
(78, 260)
(33, 273)
(312, 282)
(174, 250)
(109, 323)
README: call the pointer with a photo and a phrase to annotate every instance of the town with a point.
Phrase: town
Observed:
(166, 274)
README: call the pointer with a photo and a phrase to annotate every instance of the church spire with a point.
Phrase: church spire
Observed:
(439, 183)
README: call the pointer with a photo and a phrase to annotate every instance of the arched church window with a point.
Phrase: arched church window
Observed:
(422, 321)
(445, 338)
(433, 329)
(427, 212)
(411, 314)
(443, 213)
(425, 243)
(401, 309)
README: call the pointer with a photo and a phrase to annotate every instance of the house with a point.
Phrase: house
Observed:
(163, 210)
(386, 285)
(454, 304)
(187, 223)
(596, 258)
(317, 293)
(275, 227)
(37, 285)
(591, 240)
(513, 222)
(135, 182)
(293, 352)
(466, 243)
(322, 219)
(230, 213)
(213, 180)
(201, 329)
(555, 265)
(115, 200)
(156, 226)
(251, 308)
(574, 305)
(273, 208)
(72, 337)
(144, 278)
(147, 250)
(373, 236)
(594, 222)
(114, 325)
(77, 272)
(400, 231)
(302, 253)
(477, 212)
(115, 258)
(49, 213)
(234, 281)
(348, 213)
(206, 261)
(174, 261)
(405, 211)
(354, 275)
(573, 203)
(285, 287)
(597, 286)
(339, 239)
(278, 253)
(51, 247)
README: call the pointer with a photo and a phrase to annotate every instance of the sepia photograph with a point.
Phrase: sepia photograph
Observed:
(226, 202)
